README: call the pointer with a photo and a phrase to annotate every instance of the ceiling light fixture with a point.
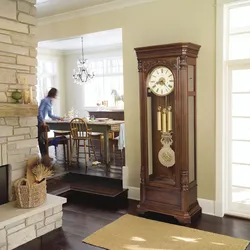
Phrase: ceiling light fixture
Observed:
(81, 74)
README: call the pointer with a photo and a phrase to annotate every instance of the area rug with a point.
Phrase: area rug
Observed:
(134, 233)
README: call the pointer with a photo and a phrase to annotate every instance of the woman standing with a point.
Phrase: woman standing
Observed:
(45, 108)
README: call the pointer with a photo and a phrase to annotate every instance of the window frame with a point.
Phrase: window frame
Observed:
(105, 74)
(223, 101)
(52, 76)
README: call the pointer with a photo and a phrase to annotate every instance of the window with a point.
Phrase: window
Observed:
(107, 83)
(46, 76)
(239, 32)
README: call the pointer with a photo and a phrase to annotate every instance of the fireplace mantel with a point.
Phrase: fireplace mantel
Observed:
(18, 110)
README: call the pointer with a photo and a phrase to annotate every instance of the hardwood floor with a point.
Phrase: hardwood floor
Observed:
(60, 168)
(85, 213)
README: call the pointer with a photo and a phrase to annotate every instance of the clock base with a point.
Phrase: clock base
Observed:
(183, 217)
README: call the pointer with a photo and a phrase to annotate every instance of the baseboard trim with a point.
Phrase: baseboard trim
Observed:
(206, 205)
(134, 193)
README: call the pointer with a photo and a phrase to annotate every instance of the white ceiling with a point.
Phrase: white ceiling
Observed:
(53, 7)
(103, 39)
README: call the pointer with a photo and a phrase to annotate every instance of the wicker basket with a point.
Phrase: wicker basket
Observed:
(30, 196)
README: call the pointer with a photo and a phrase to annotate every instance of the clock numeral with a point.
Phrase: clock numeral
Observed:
(171, 80)
(162, 71)
(161, 91)
(152, 81)
(170, 86)
(154, 86)
(157, 90)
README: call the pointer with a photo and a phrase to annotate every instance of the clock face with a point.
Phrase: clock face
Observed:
(161, 81)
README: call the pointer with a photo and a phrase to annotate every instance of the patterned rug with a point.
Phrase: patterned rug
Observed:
(135, 233)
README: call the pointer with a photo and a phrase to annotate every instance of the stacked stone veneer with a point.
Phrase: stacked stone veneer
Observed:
(25, 230)
(17, 63)
(18, 142)
(33, 223)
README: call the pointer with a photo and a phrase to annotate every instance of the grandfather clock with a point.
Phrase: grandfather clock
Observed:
(167, 75)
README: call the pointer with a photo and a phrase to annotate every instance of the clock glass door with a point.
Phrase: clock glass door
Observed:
(160, 119)
(191, 124)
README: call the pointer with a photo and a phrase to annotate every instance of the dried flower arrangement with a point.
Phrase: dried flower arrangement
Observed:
(41, 172)
(38, 169)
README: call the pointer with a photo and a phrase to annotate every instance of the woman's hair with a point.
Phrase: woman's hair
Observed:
(52, 93)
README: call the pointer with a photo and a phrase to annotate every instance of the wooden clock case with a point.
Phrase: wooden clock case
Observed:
(170, 191)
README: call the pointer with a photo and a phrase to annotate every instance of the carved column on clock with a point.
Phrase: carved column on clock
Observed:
(169, 189)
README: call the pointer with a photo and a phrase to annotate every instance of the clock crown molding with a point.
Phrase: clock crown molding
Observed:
(149, 64)
(168, 50)
(101, 8)
(170, 55)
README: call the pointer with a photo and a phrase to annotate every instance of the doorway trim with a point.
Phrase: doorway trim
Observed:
(220, 106)
(222, 111)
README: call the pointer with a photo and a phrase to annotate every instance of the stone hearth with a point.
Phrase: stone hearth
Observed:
(18, 226)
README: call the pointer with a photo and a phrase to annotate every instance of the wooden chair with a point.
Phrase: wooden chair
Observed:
(98, 137)
(57, 140)
(117, 153)
(66, 134)
(80, 132)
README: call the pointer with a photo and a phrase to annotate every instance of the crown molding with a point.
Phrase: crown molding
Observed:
(115, 5)
(223, 2)
(50, 52)
(116, 48)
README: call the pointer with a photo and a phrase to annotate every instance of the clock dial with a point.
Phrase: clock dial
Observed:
(161, 81)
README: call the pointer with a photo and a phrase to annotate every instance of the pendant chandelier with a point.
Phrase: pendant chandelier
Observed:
(81, 74)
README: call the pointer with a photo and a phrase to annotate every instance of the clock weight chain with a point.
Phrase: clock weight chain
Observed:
(166, 154)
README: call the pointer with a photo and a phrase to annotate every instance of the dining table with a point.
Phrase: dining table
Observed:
(101, 126)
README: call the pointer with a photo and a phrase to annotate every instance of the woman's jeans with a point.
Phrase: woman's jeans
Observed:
(41, 138)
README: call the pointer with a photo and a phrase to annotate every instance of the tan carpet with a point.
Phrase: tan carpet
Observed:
(135, 233)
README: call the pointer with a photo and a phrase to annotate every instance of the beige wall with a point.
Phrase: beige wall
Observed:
(160, 22)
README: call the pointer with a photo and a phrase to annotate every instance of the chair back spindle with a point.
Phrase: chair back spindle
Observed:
(78, 129)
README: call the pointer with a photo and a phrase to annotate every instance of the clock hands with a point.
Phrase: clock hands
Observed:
(161, 81)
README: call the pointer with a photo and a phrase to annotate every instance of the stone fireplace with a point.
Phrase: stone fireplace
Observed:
(18, 62)
(4, 183)
(18, 124)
